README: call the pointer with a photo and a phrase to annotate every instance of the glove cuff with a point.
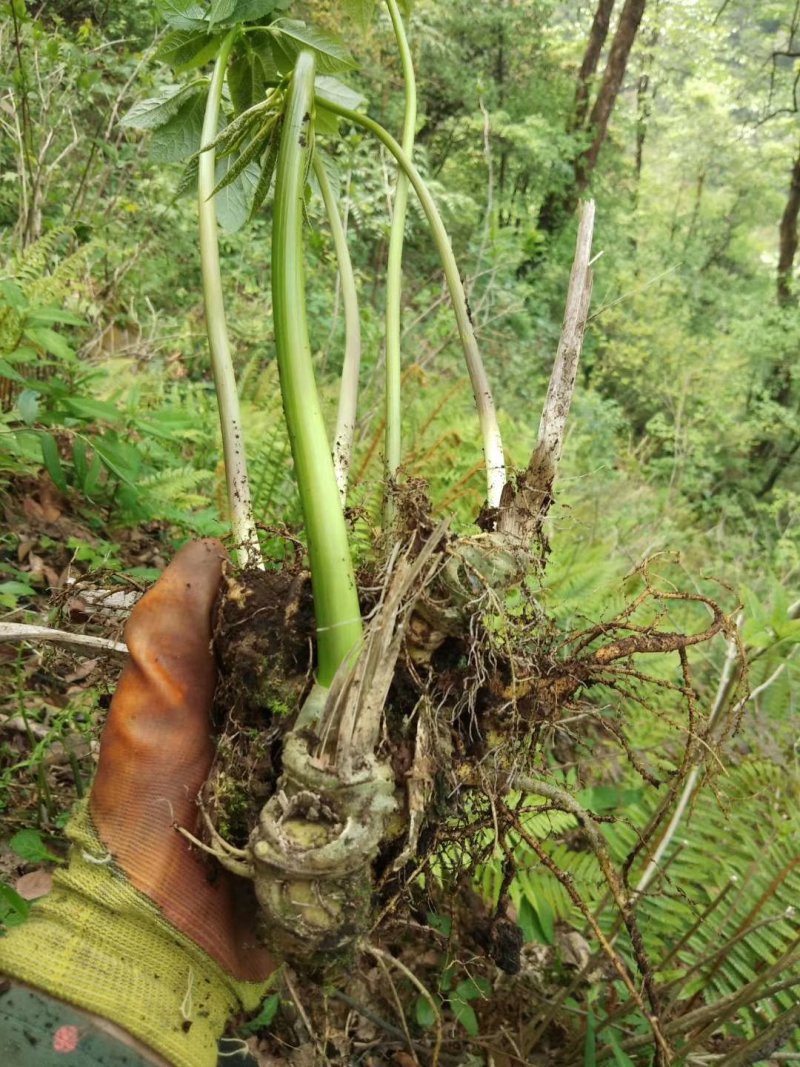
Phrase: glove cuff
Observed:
(97, 942)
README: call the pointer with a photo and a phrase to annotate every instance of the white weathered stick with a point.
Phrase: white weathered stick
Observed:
(553, 423)
(526, 504)
(16, 632)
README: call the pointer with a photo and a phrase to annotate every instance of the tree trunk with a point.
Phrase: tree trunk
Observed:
(560, 205)
(779, 382)
(591, 57)
(616, 66)
(788, 239)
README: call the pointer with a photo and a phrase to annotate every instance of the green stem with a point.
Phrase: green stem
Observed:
(338, 615)
(239, 503)
(490, 430)
(394, 278)
(348, 393)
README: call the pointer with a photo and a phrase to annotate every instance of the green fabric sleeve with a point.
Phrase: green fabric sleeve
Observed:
(97, 942)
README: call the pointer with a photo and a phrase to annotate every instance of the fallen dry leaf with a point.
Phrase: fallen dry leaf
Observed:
(35, 884)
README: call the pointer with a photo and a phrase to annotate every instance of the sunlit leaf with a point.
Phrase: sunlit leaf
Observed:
(158, 109)
(330, 53)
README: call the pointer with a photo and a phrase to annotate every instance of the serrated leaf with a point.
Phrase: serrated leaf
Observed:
(156, 110)
(267, 169)
(51, 342)
(332, 172)
(185, 49)
(13, 295)
(220, 10)
(243, 126)
(246, 78)
(28, 845)
(183, 14)
(234, 201)
(252, 10)
(252, 150)
(180, 138)
(330, 53)
(187, 183)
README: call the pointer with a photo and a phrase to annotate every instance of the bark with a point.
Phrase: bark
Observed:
(591, 57)
(621, 45)
(779, 384)
(560, 205)
(788, 239)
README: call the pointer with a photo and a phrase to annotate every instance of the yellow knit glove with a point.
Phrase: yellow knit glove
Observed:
(100, 944)
(139, 928)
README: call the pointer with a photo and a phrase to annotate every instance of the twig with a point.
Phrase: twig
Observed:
(15, 633)
(379, 955)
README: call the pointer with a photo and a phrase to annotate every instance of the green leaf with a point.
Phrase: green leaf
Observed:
(328, 88)
(473, 989)
(254, 149)
(187, 183)
(50, 341)
(360, 11)
(183, 14)
(14, 909)
(52, 461)
(234, 201)
(28, 845)
(11, 591)
(267, 169)
(45, 316)
(620, 1058)
(122, 460)
(590, 1044)
(13, 295)
(24, 354)
(156, 110)
(186, 49)
(7, 371)
(250, 71)
(79, 461)
(465, 1014)
(442, 923)
(330, 53)
(530, 924)
(269, 1009)
(180, 137)
(28, 406)
(252, 10)
(424, 1013)
(92, 479)
(220, 10)
(86, 407)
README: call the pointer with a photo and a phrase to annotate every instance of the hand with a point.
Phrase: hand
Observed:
(155, 754)
(139, 929)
